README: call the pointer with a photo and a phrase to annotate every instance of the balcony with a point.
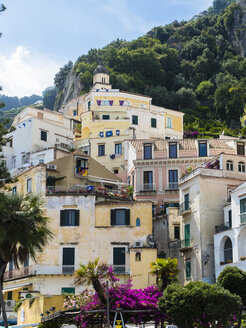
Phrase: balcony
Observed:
(39, 270)
(172, 186)
(184, 245)
(121, 269)
(184, 208)
(147, 187)
(222, 227)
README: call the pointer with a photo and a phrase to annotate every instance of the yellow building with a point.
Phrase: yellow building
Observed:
(90, 218)
(109, 116)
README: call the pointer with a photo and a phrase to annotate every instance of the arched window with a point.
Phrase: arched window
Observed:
(228, 251)
(137, 222)
(138, 257)
(241, 167)
(229, 165)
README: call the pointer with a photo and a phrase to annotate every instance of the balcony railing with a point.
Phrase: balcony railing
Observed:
(243, 218)
(121, 269)
(22, 272)
(68, 269)
(147, 187)
(222, 227)
(172, 186)
(183, 244)
(184, 207)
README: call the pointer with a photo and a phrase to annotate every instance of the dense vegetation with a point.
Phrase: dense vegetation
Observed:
(188, 66)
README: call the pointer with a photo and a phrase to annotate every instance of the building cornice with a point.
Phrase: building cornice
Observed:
(172, 161)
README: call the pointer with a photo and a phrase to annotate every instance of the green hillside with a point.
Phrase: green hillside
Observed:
(195, 67)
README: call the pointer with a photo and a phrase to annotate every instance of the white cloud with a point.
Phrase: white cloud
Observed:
(24, 73)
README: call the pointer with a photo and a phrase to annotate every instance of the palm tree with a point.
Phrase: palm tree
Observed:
(165, 270)
(91, 274)
(24, 232)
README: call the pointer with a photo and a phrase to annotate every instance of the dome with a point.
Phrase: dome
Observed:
(101, 69)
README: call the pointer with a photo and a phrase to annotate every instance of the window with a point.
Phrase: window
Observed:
(105, 117)
(228, 251)
(243, 210)
(153, 122)
(119, 259)
(26, 262)
(229, 165)
(172, 149)
(147, 151)
(118, 148)
(9, 295)
(120, 216)
(229, 219)
(187, 235)
(173, 179)
(186, 202)
(188, 269)
(43, 135)
(69, 218)
(169, 123)
(68, 260)
(29, 185)
(75, 113)
(89, 105)
(138, 257)
(202, 148)
(68, 290)
(137, 222)
(10, 143)
(135, 119)
(14, 190)
(148, 180)
(176, 232)
(240, 148)
(14, 161)
(241, 167)
(116, 171)
(101, 150)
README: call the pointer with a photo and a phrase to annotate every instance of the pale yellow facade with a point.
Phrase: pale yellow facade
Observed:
(109, 116)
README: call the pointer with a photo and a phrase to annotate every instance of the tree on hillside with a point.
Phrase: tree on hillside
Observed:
(199, 304)
(24, 232)
(91, 274)
(165, 270)
(49, 97)
(61, 76)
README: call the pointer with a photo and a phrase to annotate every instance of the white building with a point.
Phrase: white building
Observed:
(36, 131)
(230, 237)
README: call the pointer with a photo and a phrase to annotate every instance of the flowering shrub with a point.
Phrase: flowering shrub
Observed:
(120, 296)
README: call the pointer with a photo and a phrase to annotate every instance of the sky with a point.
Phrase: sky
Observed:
(40, 36)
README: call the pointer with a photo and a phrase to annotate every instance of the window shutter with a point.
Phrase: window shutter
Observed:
(113, 217)
(76, 217)
(62, 218)
(127, 213)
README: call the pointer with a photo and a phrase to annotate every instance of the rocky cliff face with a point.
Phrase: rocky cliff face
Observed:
(72, 89)
(236, 27)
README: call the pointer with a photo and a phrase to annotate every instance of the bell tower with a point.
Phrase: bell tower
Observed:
(101, 78)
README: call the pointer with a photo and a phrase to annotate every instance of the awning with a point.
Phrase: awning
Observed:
(17, 287)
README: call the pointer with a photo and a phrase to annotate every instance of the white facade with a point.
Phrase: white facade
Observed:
(35, 131)
(230, 239)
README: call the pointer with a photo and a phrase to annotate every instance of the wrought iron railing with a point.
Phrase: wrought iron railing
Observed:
(183, 207)
(222, 227)
(121, 269)
(148, 187)
(172, 186)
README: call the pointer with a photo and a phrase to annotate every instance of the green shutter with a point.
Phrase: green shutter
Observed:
(187, 235)
(76, 217)
(127, 213)
(62, 218)
(113, 217)
(188, 269)
(68, 290)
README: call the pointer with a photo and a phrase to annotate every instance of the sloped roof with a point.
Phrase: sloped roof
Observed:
(184, 144)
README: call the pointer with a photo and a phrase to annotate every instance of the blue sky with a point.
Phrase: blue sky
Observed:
(40, 36)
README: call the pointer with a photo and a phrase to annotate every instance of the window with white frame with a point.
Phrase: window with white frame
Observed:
(29, 185)
(229, 165)
(169, 123)
(241, 167)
